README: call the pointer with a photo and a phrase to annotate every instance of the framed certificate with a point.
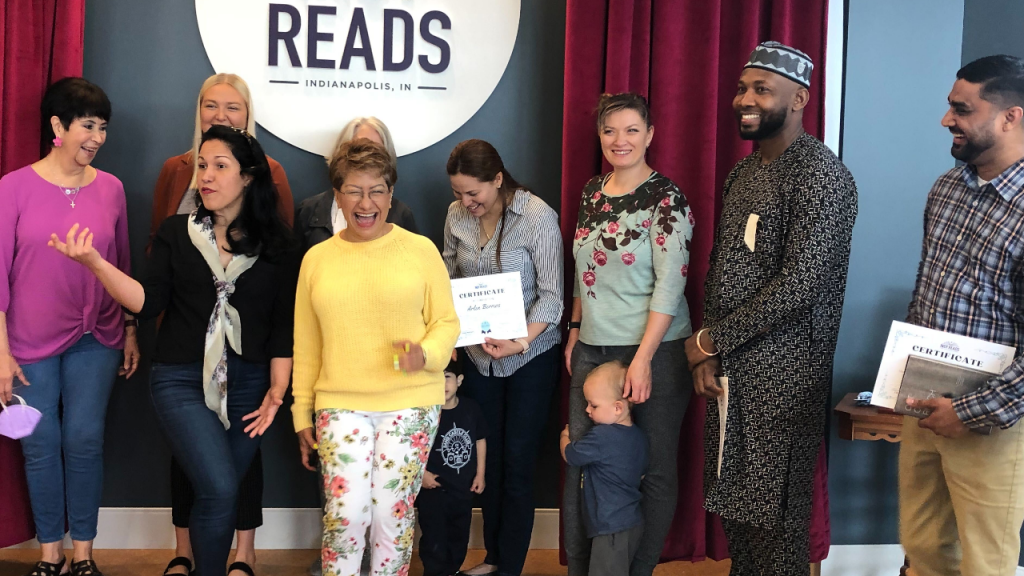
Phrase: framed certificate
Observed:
(489, 307)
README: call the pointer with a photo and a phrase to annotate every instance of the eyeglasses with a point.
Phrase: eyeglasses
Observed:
(357, 195)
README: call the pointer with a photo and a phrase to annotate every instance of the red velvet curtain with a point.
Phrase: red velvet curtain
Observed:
(40, 41)
(686, 57)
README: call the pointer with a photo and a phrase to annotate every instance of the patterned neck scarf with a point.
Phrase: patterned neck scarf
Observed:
(225, 324)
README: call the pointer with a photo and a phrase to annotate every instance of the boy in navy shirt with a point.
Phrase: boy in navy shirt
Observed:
(455, 471)
(613, 456)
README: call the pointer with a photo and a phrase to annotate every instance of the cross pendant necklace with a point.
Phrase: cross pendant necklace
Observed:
(70, 193)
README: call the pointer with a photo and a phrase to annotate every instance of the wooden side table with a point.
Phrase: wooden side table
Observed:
(868, 423)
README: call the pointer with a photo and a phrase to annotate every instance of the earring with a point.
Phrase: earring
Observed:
(57, 142)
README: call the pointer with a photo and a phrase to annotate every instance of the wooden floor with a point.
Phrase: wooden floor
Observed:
(296, 563)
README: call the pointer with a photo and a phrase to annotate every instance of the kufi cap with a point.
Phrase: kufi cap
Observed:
(783, 60)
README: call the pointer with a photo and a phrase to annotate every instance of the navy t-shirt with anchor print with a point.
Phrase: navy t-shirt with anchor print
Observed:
(453, 456)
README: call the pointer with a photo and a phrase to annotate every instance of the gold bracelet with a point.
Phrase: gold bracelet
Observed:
(701, 348)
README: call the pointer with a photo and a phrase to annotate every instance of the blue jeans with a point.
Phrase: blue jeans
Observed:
(214, 459)
(516, 410)
(81, 379)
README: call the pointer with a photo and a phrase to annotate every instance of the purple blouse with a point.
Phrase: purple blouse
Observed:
(51, 300)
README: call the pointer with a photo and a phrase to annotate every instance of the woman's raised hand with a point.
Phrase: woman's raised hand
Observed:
(77, 246)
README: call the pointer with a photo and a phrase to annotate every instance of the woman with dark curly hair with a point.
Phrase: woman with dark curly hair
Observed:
(224, 278)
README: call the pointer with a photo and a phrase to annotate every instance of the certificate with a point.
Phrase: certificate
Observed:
(489, 307)
(907, 340)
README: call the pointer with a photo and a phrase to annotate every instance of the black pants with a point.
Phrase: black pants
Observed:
(444, 522)
(760, 551)
(660, 419)
(516, 409)
(250, 496)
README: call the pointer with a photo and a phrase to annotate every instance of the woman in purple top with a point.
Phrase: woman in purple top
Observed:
(61, 334)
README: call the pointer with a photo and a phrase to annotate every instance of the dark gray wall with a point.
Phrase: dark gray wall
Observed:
(901, 61)
(993, 27)
(149, 58)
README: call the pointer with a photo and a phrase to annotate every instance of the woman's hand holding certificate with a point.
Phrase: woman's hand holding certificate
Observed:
(490, 307)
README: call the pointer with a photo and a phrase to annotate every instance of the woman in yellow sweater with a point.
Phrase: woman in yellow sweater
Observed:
(374, 329)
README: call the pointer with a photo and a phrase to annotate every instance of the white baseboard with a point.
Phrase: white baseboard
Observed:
(283, 529)
(299, 528)
(867, 560)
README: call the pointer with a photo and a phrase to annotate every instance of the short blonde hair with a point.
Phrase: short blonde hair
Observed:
(612, 375)
(349, 132)
(362, 155)
(236, 82)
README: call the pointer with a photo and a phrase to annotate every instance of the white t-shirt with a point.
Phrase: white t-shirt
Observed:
(982, 183)
(338, 222)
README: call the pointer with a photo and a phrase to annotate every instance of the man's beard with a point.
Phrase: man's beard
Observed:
(975, 146)
(771, 122)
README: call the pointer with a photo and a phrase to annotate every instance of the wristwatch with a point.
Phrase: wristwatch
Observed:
(524, 343)
(575, 325)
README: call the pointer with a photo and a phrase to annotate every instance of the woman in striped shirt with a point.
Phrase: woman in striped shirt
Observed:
(494, 226)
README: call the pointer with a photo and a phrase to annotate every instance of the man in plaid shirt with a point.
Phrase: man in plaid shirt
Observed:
(961, 492)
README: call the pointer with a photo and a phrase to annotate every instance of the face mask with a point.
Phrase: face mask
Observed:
(18, 420)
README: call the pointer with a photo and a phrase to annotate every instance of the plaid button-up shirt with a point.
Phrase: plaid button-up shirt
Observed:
(971, 279)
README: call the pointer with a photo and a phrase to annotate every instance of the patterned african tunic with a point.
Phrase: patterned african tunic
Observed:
(774, 299)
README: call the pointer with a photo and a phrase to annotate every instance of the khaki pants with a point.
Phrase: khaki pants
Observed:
(961, 501)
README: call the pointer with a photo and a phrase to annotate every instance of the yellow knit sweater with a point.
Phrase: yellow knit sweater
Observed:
(354, 300)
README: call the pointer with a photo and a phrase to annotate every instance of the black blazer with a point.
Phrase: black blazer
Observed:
(313, 219)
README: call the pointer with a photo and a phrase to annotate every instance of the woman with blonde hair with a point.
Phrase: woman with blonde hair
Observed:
(224, 100)
(318, 217)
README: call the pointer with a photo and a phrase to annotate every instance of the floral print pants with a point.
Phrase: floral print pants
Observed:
(372, 465)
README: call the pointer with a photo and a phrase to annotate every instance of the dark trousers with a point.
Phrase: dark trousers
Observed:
(760, 551)
(213, 458)
(660, 417)
(612, 554)
(516, 410)
(444, 517)
(250, 496)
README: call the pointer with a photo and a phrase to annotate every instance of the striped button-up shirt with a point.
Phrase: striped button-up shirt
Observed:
(531, 244)
(971, 279)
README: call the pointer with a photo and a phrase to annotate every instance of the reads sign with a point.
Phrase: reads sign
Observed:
(424, 67)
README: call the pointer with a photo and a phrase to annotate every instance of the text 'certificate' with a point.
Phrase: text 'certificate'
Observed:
(489, 307)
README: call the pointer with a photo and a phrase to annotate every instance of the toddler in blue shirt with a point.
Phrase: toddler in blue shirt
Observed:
(613, 457)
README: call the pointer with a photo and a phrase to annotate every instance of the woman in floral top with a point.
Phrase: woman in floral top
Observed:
(632, 250)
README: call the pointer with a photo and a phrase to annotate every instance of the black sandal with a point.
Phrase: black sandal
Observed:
(85, 568)
(180, 561)
(241, 566)
(48, 568)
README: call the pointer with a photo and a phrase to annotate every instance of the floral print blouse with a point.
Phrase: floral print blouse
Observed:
(632, 255)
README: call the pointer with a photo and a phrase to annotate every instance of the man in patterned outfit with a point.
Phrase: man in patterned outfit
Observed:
(774, 298)
(961, 492)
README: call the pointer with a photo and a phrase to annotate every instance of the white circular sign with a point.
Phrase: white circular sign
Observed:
(424, 67)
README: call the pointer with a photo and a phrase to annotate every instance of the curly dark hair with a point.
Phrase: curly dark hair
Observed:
(258, 230)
